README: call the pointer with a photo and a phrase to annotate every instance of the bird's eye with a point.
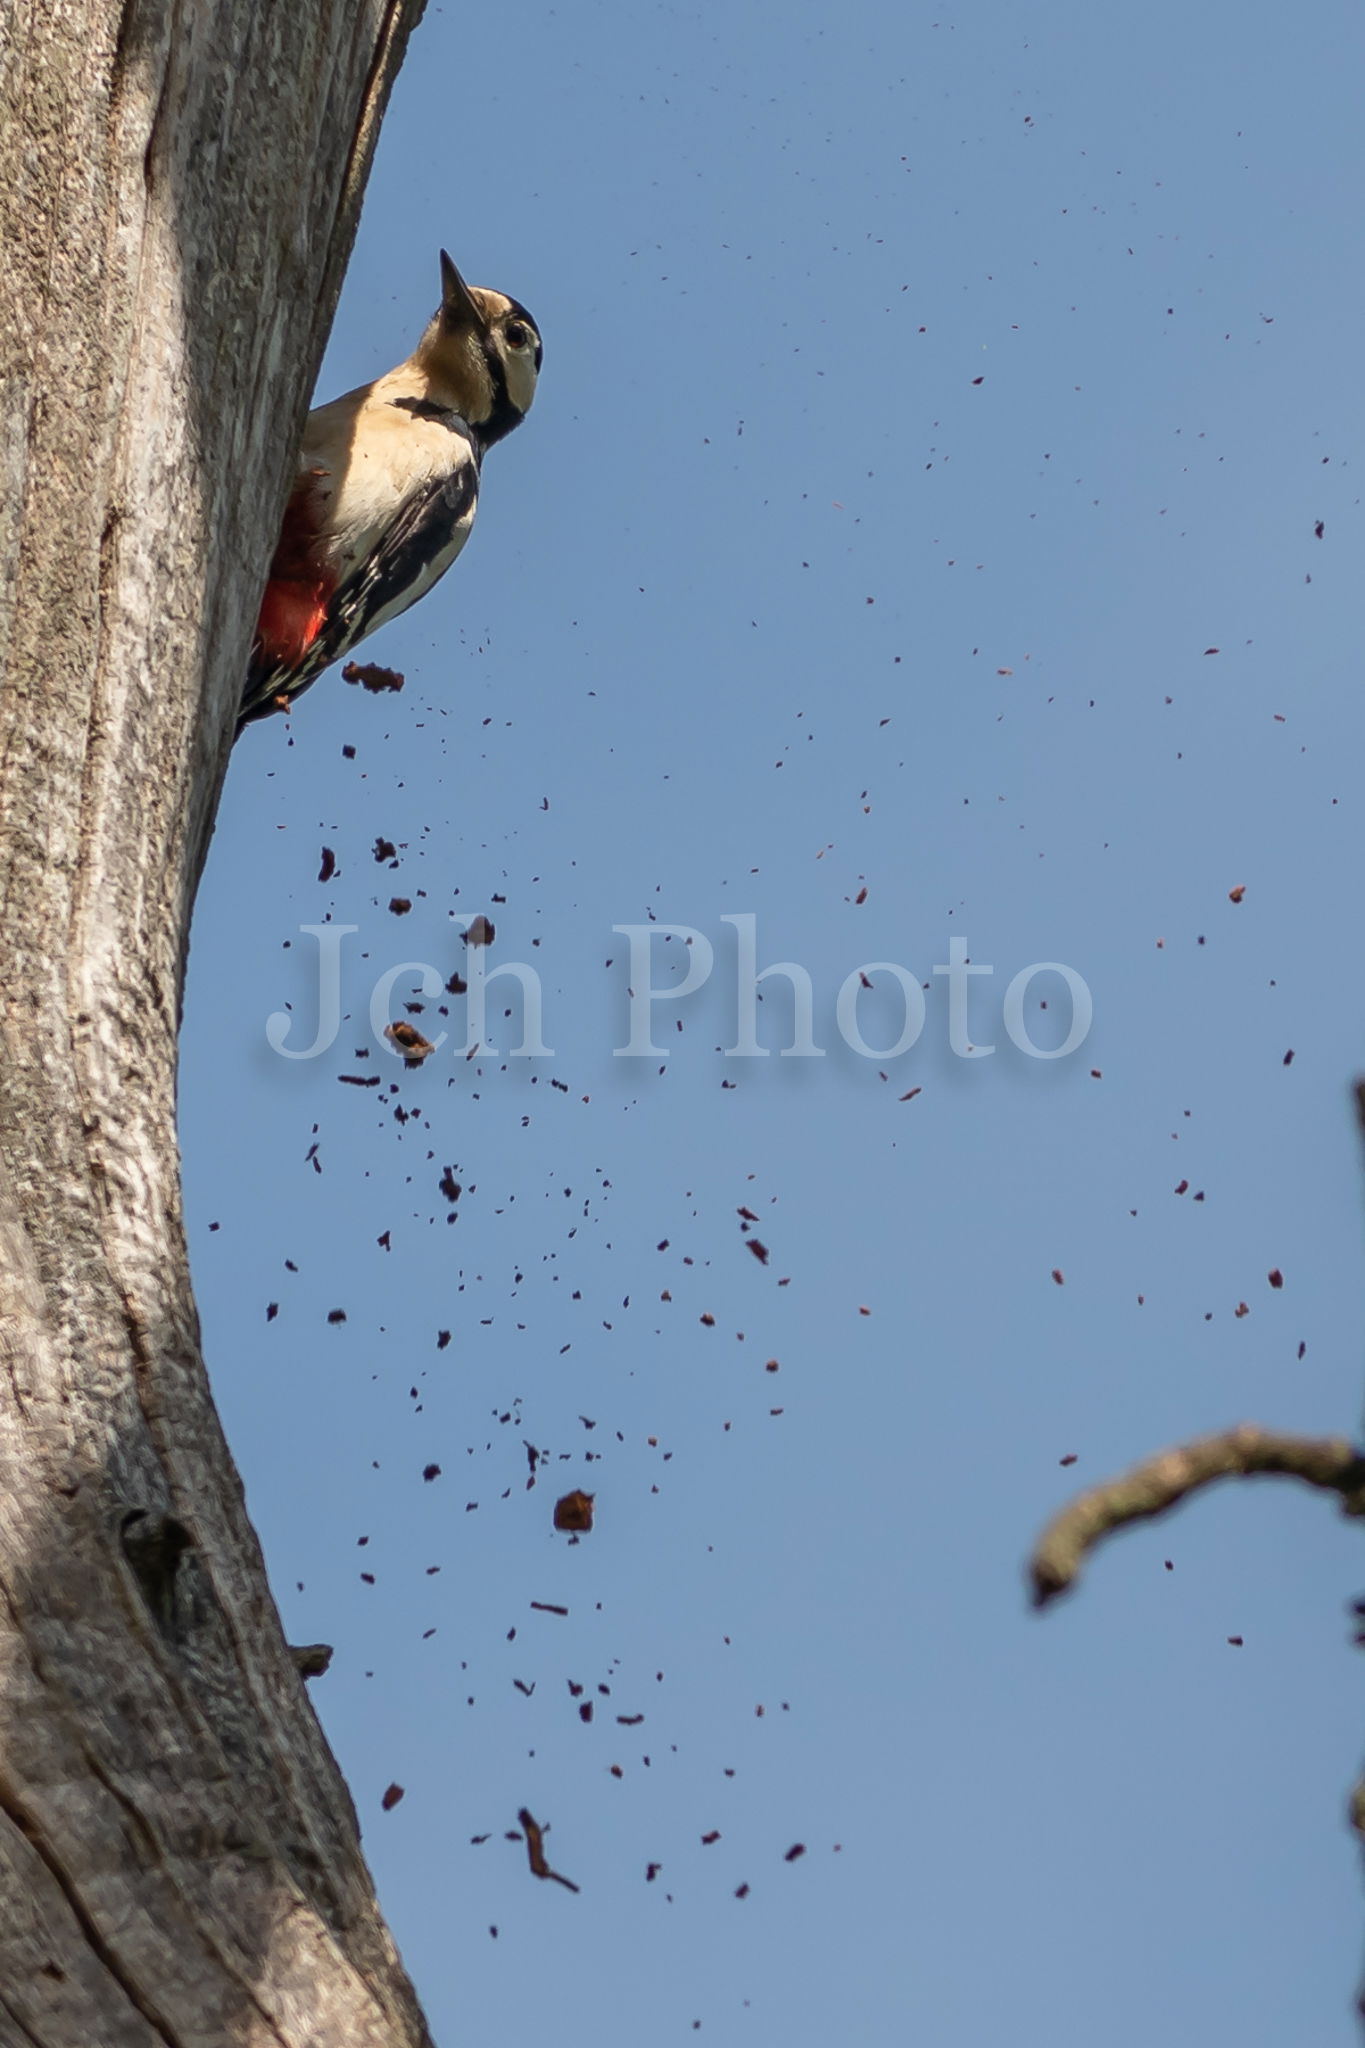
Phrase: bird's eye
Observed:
(518, 334)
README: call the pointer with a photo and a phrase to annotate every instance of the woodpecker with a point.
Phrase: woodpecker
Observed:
(387, 486)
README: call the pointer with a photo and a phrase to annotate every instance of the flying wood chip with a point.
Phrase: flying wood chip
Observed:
(481, 931)
(535, 1852)
(371, 676)
(409, 1042)
(574, 1511)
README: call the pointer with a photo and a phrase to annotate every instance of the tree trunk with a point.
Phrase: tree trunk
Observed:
(179, 185)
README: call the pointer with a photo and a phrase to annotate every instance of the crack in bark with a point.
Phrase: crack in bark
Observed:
(22, 2027)
(399, 18)
(14, 1810)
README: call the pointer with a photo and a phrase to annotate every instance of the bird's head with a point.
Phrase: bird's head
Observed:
(481, 355)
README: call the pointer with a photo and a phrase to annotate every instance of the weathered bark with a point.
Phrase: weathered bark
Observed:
(179, 184)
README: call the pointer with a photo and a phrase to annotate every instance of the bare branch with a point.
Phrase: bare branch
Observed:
(1247, 1451)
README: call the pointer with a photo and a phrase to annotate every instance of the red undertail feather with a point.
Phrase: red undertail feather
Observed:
(294, 607)
(293, 612)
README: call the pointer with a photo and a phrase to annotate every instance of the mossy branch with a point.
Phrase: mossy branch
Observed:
(1247, 1451)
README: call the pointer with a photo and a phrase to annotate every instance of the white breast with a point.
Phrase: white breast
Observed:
(376, 458)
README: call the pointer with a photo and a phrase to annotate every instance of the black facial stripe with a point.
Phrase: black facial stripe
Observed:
(502, 415)
(428, 409)
(497, 369)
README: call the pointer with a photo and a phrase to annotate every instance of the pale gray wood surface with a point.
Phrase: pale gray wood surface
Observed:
(179, 184)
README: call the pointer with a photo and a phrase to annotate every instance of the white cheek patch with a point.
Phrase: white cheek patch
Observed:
(521, 379)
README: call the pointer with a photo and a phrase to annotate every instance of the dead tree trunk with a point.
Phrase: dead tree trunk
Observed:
(179, 184)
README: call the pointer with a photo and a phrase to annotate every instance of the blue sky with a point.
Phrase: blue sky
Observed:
(920, 499)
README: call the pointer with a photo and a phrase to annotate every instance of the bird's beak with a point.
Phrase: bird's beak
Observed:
(457, 307)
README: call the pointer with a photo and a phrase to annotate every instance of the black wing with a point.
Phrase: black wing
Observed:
(400, 564)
